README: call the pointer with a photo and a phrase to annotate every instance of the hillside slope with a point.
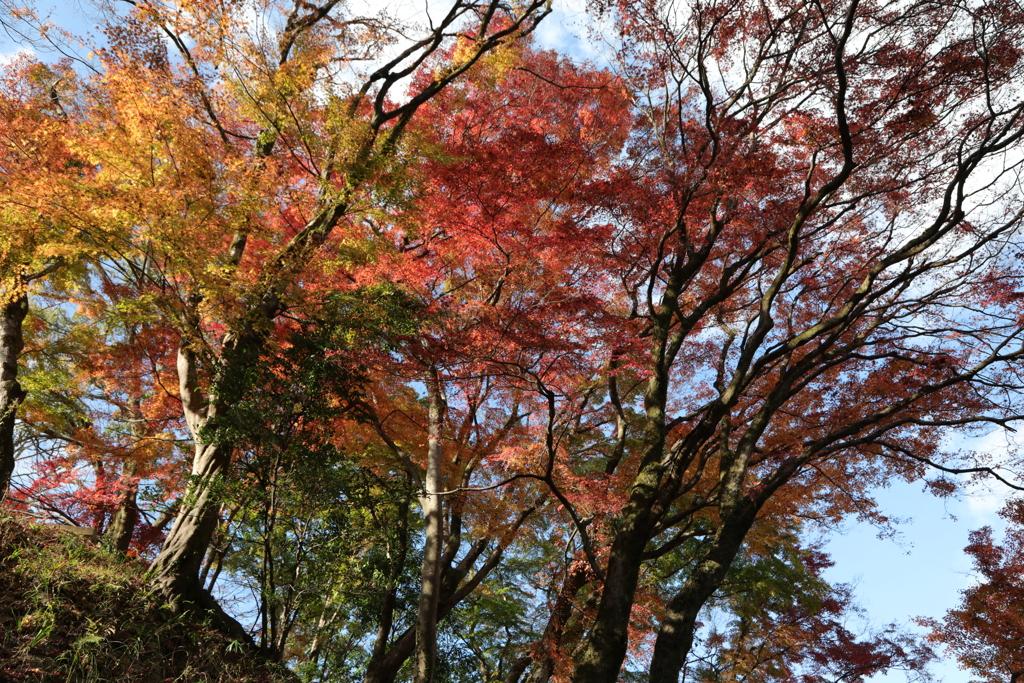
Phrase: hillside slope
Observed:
(71, 611)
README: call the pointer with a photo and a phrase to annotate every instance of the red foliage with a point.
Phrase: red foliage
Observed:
(986, 632)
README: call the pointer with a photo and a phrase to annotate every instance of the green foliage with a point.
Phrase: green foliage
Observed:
(775, 579)
(314, 371)
(481, 639)
(319, 541)
(57, 341)
(319, 533)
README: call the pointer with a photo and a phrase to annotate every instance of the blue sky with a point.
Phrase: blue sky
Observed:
(922, 569)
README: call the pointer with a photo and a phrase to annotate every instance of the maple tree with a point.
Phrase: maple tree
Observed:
(361, 132)
(261, 165)
(97, 410)
(571, 354)
(36, 165)
(985, 632)
(810, 307)
(482, 260)
(235, 135)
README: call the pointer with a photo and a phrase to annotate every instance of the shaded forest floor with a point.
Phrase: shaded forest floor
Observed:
(72, 611)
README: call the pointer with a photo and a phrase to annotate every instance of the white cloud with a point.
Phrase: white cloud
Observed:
(983, 499)
(8, 57)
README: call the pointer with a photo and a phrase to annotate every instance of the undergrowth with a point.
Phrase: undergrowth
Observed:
(71, 611)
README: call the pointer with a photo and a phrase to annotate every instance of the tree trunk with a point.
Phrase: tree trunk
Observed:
(122, 523)
(543, 654)
(388, 605)
(386, 668)
(430, 501)
(518, 669)
(176, 569)
(675, 637)
(12, 342)
(606, 647)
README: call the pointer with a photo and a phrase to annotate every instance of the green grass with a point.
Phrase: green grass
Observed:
(73, 612)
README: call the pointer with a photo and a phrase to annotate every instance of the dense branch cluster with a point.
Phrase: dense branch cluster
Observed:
(435, 355)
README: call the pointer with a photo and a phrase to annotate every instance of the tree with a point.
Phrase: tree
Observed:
(812, 309)
(142, 292)
(306, 519)
(367, 130)
(36, 166)
(98, 411)
(280, 131)
(478, 252)
(986, 631)
(665, 317)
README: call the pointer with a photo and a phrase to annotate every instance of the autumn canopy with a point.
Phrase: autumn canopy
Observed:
(409, 349)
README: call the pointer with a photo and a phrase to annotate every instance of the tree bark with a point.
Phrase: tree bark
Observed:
(675, 637)
(609, 639)
(542, 655)
(386, 668)
(430, 501)
(12, 342)
(176, 569)
(122, 523)
(606, 647)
